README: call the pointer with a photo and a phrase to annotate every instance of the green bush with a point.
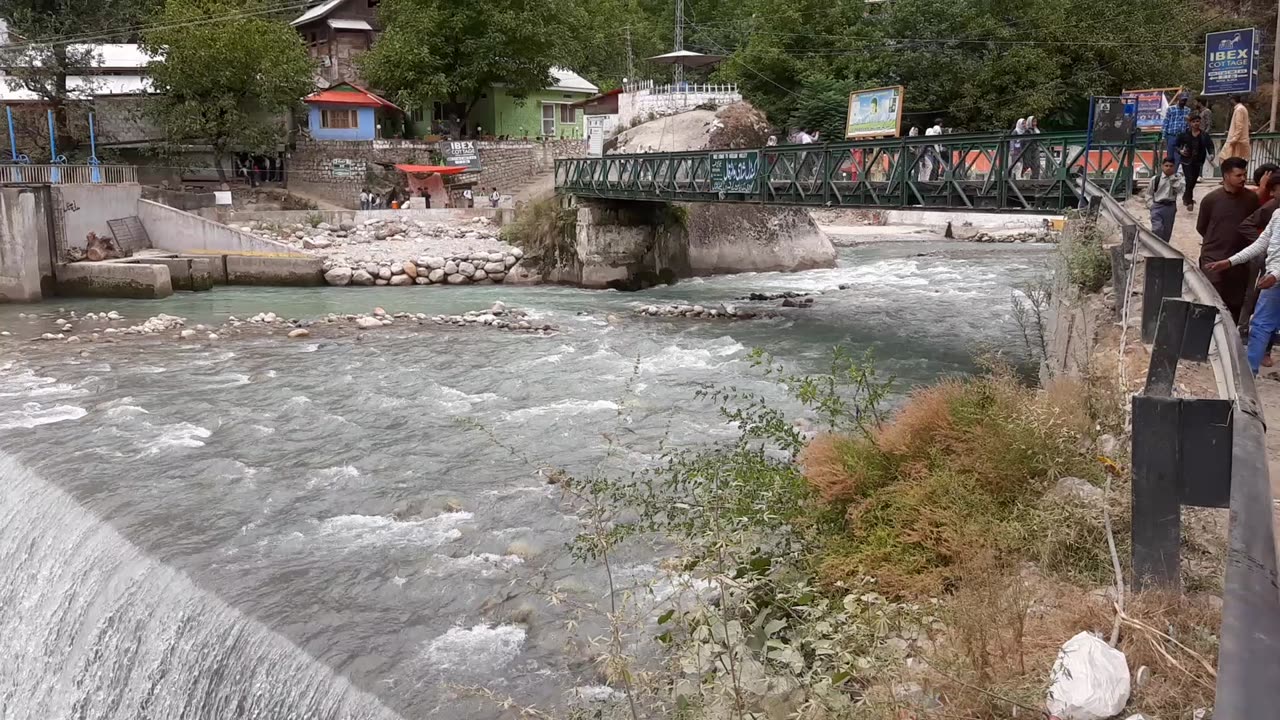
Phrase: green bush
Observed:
(1088, 263)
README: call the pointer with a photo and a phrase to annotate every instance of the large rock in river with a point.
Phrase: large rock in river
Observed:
(726, 238)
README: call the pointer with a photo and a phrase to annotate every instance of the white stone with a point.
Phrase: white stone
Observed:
(467, 269)
(421, 280)
(517, 253)
(378, 312)
(450, 267)
(213, 336)
(113, 315)
(338, 276)
(456, 279)
(317, 244)
(187, 334)
(498, 308)
(380, 281)
(371, 268)
(368, 323)
(480, 276)
(435, 262)
(509, 260)
(436, 275)
(497, 277)
(384, 273)
(299, 333)
(493, 267)
(495, 257)
(361, 277)
(401, 280)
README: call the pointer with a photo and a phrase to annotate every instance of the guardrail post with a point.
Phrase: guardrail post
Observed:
(1119, 279)
(1163, 280)
(1156, 510)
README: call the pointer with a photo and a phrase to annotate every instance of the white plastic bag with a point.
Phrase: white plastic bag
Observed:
(1090, 680)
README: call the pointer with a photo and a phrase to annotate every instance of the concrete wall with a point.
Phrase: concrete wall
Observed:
(177, 231)
(246, 270)
(335, 217)
(81, 209)
(119, 280)
(621, 245)
(24, 230)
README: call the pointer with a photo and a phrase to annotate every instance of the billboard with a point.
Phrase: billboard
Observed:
(1113, 120)
(462, 153)
(734, 172)
(874, 113)
(1229, 62)
(1152, 104)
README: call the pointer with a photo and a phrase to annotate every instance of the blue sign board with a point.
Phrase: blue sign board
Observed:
(1230, 62)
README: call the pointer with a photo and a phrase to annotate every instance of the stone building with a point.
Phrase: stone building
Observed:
(336, 32)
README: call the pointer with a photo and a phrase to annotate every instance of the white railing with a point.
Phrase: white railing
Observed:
(67, 174)
(638, 86)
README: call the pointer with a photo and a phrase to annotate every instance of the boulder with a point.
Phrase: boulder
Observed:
(384, 273)
(299, 333)
(467, 269)
(338, 276)
(450, 267)
(480, 276)
(509, 260)
(380, 281)
(397, 269)
(410, 269)
(436, 275)
(1078, 491)
(494, 267)
(371, 268)
(456, 279)
(421, 280)
(368, 323)
(361, 277)
(497, 277)
(401, 280)
(316, 244)
(435, 262)
(187, 334)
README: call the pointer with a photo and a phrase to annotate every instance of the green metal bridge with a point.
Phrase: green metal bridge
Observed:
(991, 172)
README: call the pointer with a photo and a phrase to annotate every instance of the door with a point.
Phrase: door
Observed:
(548, 120)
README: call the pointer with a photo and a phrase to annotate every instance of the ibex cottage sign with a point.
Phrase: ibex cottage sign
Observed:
(1229, 62)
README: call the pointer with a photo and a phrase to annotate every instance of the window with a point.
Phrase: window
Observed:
(417, 115)
(339, 119)
(548, 120)
(568, 115)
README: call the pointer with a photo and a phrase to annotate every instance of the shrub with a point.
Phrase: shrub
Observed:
(541, 229)
(1087, 261)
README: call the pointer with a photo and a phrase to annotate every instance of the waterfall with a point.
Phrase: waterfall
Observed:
(93, 629)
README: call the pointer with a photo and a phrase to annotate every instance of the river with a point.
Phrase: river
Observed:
(288, 516)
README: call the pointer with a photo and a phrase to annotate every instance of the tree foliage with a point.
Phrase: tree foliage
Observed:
(226, 83)
(457, 50)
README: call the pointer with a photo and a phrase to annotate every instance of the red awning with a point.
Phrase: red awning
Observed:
(355, 96)
(428, 169)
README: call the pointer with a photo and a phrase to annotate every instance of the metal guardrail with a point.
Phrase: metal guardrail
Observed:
(67, 174)
(1249, 641)
(993, 172)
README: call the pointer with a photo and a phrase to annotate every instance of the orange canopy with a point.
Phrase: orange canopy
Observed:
(427, 169)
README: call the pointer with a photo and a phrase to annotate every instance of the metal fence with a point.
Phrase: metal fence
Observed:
(67, 174)
(983, 172)
(1208, 452)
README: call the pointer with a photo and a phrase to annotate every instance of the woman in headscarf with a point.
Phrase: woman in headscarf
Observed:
(1237, 144)
(1015, 148)
(1031, 151)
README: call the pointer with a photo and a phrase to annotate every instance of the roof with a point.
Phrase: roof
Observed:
(104, 55)
(349, 25)
(316, 12)
(349, 94)
(428, 169)
(570, 81)
(593, 98)
(81, 86)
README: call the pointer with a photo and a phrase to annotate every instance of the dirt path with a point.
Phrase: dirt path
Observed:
(1187, 241)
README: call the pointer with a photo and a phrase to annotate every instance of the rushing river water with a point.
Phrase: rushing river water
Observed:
(227, 529)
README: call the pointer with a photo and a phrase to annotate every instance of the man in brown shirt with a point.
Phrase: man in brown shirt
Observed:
(1219, 225)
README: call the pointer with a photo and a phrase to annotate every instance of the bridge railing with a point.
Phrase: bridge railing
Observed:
(991, 172)
(67, 174)
(1249, 637)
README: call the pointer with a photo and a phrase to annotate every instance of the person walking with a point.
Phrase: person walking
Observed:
(494, 198)
(1193, 146)
(468, 198)
(936, 165)
(1237, 143)
(1015, 147)
(1031, 150)
(364, 198)
(1175, 123)
(1265, 320)
(1165, 188)
(1249, 231)
(1219, 226)
(1202, 110)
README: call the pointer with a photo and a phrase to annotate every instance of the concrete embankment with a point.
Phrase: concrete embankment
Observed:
(113, 280)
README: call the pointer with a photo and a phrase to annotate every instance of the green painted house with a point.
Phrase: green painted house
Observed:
(545, 114)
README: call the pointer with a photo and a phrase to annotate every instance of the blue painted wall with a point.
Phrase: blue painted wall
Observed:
(366, 131)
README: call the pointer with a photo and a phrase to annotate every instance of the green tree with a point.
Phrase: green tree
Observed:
(53, 39)
(456, 50)
(228, 75)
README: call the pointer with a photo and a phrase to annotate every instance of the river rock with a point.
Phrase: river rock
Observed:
(435, 262)
(480, 276)
(509, 260)
(499, 308)
(805, 302)
(299, 333)
(380, 282)
(378, 312)
(493, 267)
(436, 275)
(361, 277)
(497, 277)
(450, 267)
(371, 268)
(316, 244)
(517, 253)
(401, 280)
(410, 269)
(466, 268)
(187, 334)
(456, 279)
(384, 273)
(368, 323)
(421, 280)
(338, 276)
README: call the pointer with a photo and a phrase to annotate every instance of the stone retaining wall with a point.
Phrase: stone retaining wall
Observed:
(337, 170)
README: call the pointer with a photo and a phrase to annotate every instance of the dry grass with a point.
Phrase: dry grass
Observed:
(962, 469)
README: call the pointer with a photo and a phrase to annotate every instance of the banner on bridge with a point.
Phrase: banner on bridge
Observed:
(734, 172)
(1152, 105)
(1112, 120)
(874, 113)
(1230, 65)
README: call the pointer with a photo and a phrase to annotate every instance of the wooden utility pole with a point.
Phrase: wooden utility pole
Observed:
(1275, 72)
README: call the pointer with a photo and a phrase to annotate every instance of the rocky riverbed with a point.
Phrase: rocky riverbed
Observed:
(400, 252)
